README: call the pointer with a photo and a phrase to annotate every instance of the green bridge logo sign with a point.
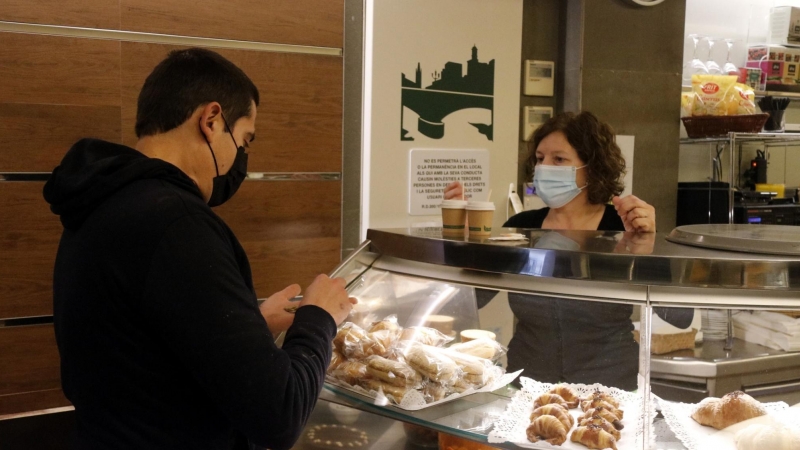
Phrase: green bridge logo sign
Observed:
(450, 91)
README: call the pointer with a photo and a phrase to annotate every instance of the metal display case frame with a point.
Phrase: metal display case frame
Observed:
(643, 270)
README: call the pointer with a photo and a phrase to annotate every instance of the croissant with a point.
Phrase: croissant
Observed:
(546, 399)
(731, 409)
(594, 403)
(567, 394)
(593, 436)
(557, 411)
(597, 395)
(548, 429)
(602, 423)
(605, 414)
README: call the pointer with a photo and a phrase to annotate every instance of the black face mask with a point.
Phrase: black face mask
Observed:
(225, 186)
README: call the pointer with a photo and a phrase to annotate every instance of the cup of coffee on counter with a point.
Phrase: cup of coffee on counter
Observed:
(471, 335)
(480, 215)
(454, 216)
(441, 323)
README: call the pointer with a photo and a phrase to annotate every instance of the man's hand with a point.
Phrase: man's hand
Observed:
(329, 294)
(274, 309)
(453, 190)
(636, 214)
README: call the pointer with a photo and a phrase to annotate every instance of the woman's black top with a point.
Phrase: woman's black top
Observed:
(565, 340)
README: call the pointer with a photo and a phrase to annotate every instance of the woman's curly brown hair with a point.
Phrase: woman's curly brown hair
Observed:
(596, 147)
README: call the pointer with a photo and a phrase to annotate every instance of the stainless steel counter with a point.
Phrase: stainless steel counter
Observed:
(617, 257)
(710, 370)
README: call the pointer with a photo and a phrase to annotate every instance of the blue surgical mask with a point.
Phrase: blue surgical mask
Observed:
(556, 185)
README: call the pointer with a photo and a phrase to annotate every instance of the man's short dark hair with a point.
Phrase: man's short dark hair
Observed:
(187, 79)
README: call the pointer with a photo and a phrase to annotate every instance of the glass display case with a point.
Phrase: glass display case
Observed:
(628, 322)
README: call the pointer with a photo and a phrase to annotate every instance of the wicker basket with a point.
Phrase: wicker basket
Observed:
(713, 126)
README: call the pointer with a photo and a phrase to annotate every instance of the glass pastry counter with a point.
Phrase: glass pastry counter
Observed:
(614, 312)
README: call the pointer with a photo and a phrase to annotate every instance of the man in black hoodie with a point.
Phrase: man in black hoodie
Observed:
(162, 342)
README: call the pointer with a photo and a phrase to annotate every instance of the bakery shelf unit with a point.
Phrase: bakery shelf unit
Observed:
(733, 143)
(579, 283)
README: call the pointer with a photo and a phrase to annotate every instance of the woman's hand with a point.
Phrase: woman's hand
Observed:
(636, 214)
(453, 190)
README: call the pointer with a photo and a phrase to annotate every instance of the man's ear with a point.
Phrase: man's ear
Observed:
(210, 120)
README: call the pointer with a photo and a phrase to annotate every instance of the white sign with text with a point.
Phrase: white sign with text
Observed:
(430, 170)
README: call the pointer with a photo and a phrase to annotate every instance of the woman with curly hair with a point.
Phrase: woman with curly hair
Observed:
(577, 171)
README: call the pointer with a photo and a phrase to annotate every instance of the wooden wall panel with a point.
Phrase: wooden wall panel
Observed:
(303, 22)
(29, 235)
(299, 122)
(294, 142)
(23, 402)
(76, 13)
(30, 365)
(58, 70)
(289, 229)
(34, 138)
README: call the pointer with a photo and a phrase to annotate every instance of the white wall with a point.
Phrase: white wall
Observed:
(400, 34)
(745, 20)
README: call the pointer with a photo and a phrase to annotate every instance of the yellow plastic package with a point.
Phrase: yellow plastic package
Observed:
(711, 94)
(687, 101)
(741, 100)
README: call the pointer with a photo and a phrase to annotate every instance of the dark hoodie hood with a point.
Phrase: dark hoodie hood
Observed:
(92, 170)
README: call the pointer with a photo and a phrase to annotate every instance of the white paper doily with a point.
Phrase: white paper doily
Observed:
(511, 428)
(699, 437)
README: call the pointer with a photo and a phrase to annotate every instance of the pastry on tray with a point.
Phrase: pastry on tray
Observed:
(773, 437)
(546, 399)
(424, 335)
(594, 437)
(567, 393)
(432, 363)
(547, 428)
(605, 414)
(731, 409)
(389, 323)
(597, 402)
(557, 411)
(350, 372)
(397, 392)
(602, 423)
(597, 395)
(393, 372)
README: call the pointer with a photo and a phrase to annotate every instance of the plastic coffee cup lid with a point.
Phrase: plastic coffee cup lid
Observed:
(480, 206)
(454, 204)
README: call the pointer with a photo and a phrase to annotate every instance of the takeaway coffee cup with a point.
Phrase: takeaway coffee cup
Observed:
(454, 215)
(471, 335)
(480, 215)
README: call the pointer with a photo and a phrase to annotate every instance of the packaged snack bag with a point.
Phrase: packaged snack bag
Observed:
(711, 94)
(741, 100)
(687, 101)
